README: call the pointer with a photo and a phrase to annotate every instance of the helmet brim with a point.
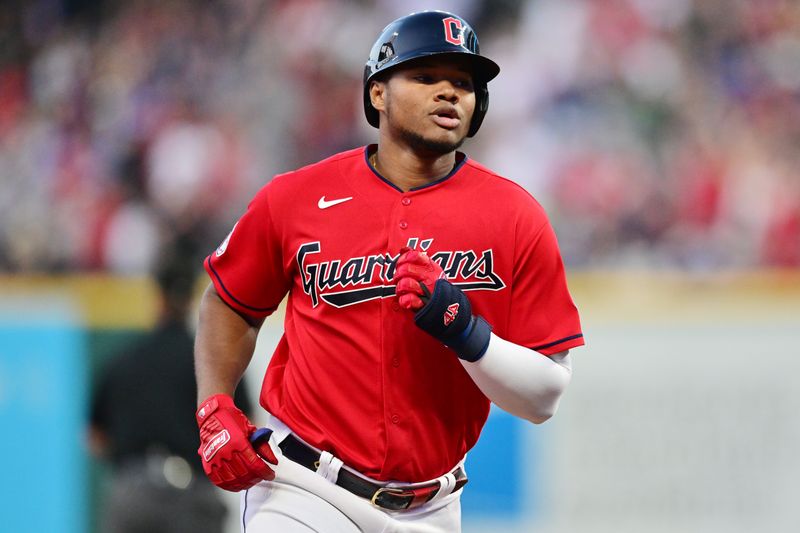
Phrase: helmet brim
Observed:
(483, 69)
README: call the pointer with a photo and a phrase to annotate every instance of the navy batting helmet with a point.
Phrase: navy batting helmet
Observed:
(424, 34)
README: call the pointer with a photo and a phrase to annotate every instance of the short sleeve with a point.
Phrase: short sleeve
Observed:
(543, 315)
(247, 268)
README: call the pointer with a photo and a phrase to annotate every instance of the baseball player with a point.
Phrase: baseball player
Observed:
(421, 287)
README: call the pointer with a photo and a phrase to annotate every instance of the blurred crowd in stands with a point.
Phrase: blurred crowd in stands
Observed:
(656, 133)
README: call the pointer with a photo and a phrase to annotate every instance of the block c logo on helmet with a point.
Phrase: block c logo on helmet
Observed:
(452, 31)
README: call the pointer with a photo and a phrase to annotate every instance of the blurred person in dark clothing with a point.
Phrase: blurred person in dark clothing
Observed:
(142, 421)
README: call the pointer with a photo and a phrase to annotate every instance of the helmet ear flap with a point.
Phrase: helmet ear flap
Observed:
(481, 107)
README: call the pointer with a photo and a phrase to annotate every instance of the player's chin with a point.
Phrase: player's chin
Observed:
(435, 141)
(446, 140)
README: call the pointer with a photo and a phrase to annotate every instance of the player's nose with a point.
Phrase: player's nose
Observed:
(446, 91)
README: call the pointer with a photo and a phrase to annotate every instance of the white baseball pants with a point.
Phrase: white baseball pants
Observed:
(302, 501)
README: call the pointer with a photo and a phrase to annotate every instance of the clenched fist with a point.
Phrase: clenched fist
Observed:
(228, 458)
(442, 309)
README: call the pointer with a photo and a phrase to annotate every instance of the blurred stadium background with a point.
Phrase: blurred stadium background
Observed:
(662, 136)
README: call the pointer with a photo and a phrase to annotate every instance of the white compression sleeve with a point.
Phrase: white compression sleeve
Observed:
(521, 381)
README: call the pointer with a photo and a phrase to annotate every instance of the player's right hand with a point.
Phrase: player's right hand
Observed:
(228, 458)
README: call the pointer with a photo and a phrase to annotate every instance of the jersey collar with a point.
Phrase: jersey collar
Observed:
(461, 158)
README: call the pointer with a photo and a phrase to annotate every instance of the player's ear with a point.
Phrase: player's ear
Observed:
(377, 94)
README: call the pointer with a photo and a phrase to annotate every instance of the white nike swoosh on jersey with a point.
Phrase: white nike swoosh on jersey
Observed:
(325, 204)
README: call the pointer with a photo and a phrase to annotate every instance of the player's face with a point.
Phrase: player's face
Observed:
(429, 104)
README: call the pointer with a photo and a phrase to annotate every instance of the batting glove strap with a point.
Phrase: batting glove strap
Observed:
(211, 405)
(448, 317)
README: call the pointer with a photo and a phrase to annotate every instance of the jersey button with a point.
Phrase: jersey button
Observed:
(395, 362)
(395, 419)
(403, 224)
(396, 306)
(406, 201)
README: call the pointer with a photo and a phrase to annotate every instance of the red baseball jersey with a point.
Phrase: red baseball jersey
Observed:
(352, 374)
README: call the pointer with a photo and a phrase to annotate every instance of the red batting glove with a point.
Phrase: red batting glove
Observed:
(229, 461)
(415, 275)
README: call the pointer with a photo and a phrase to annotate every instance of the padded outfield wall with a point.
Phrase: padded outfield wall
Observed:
(681, 415)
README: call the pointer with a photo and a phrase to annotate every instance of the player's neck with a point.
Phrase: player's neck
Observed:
(407, 169)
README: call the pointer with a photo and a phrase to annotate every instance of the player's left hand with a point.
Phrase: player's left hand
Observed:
(442, 309)
(416, 275)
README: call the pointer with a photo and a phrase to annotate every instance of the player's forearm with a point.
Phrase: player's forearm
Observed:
(520, 381)
(223, 347)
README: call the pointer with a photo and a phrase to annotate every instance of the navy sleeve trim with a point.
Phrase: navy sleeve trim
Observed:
(232, 297)
(551, 344)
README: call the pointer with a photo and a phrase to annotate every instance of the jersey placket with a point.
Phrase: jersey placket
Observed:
(403, 230)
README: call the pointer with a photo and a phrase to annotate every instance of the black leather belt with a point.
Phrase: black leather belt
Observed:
(391, 498)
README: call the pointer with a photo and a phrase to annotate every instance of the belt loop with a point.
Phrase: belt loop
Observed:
(329, 466)
(446, 485)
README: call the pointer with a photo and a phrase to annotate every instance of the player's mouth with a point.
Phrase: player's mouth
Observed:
(446, 117)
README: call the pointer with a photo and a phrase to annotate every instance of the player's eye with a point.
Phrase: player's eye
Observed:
(423, 78)
(464, 83)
